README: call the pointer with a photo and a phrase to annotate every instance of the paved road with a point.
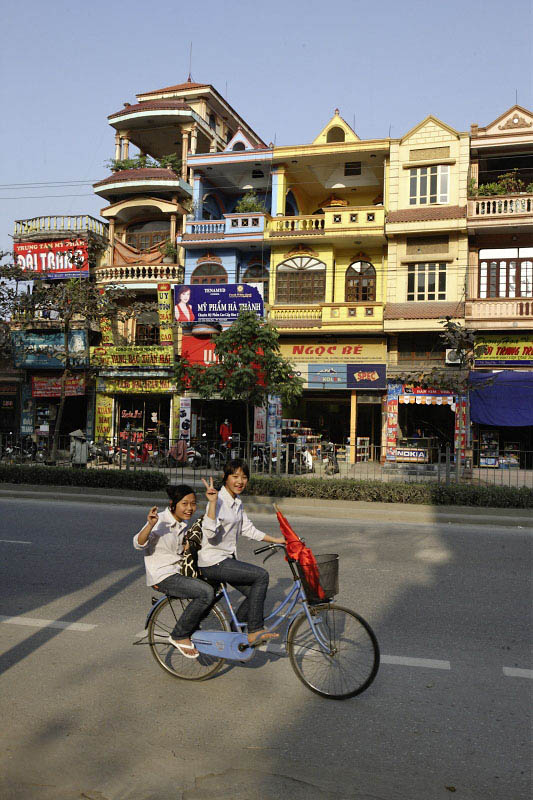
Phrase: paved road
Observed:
(88, 715)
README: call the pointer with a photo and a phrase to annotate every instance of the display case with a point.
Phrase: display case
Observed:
(489, 449)
(511, 456)
(415, 449)
(363, 448)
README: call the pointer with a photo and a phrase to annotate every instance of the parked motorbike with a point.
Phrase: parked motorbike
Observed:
(329, 458)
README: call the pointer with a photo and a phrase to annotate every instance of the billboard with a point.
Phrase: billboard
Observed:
(217, 302)
(46, 349)
(64, 258)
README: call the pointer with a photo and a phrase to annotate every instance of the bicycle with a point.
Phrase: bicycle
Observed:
(333, 650)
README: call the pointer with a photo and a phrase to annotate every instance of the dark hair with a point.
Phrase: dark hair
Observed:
(232, 466)
(182, 290)
(177, 493)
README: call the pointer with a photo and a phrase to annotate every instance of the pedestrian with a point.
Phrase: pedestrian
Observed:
(163, 542)
(224, 521)
(79, 449)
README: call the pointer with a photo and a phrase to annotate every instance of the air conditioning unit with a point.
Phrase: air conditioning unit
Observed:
(452, 357)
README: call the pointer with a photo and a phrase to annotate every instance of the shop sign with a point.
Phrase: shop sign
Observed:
(51, 387)
(134, 373)
(8, 388)
(327, 376)
(259, 425)
(218, 302)
(185, 419)
(164, 309)
(106, 330)
(366, 376)
(46, 349)
(65, 258)
(26, 414)
(417, 454)
(393, 392)
(131, 356)
(103, 417)
(135, 385)
(344, 351)
(198, 349)
(504, 351)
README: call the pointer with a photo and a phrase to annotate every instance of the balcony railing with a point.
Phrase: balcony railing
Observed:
(231, 225)
(504, 308)
(60, 224)
(501, 206)
(340, 314)
(294, 313)
(207, 227)
(344, 221)
(135, 273)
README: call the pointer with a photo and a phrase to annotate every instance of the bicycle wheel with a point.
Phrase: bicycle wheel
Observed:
(352, 662)
(167, 656)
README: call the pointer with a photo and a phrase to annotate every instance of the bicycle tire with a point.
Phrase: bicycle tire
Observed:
(167, 656)
(350, 669)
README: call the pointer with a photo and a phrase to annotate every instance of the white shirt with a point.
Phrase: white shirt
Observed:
(163, 550)
(220, 534)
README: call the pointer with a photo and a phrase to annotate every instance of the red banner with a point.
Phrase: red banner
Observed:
(64, 257)
(198, 350)
(51, 387)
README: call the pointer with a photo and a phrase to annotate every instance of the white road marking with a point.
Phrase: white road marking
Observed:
(47, 623)
(14, 541)
(429, 663)
(514, 672)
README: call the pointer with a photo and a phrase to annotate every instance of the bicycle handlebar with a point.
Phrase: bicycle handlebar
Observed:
(268, 547)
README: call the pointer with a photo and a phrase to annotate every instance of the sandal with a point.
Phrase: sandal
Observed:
(183, 647)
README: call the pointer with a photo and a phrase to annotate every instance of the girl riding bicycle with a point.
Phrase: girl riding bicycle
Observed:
(162, 540)
(223, 522)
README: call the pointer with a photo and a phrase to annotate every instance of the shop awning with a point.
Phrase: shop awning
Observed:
(501, 398)
(427, 399)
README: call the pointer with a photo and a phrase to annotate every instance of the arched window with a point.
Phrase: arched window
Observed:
(144, 235)
(360, 286)
(335, 134)
(238, 146)
(209, 273)
(301, 279)
(256, 273)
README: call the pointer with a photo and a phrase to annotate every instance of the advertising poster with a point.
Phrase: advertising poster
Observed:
(64, 258)
(393, 392)
(218, 302)
(103, 417)
(460, 438)
(107, 332)
(185, 419)
(274, 417)
(26, 415)
(327, 376)
(46, 350)
(164, 309)
(259, 425)
(366, 376)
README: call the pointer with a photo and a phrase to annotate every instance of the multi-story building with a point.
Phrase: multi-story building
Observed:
(499, 302)
(149, 196)
(54, 248)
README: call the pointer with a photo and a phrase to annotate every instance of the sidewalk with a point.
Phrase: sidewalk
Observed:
(293, 506)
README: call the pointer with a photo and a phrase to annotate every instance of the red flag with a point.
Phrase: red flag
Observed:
(304, 555)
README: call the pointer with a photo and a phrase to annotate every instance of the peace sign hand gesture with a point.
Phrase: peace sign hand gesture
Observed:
(211, 493)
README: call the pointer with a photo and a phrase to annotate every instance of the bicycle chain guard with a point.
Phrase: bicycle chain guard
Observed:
(223, 644)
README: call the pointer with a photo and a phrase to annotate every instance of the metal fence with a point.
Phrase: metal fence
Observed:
(189, 462)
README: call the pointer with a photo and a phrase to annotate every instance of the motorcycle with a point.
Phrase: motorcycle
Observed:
(329, 458)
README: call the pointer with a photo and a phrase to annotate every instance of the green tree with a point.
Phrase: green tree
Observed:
(249, 367)
(74, 304)
(249, 204)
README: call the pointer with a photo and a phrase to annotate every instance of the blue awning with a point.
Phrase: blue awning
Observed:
(501, 398)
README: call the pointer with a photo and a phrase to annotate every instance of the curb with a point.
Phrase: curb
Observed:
(386, 513)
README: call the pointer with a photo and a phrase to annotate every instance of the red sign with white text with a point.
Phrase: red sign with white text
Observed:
(198, 349)
(51, 387)
(64, 258)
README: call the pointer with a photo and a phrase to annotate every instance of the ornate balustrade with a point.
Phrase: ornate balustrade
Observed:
(135, 273)
(494, 308)
(500, 206)
(207, 227)
(313, 224)
(60, 225)
(342, 221)
(296, 313)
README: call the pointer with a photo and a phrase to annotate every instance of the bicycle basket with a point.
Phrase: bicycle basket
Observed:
(328, 574)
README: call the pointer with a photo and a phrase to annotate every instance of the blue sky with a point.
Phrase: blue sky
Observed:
(287, 65)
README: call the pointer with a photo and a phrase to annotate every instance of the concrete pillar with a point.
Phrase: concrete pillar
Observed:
(384, 427)
(197, 196)
(117, 146)
(473, 274)
(279, 190)
(184, 153)
(353, 427)
(125, 145)
(173, 222)
(194, 139)
(111, 240)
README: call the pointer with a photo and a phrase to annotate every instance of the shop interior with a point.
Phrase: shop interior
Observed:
(74, 415)
(140, 417)
(503, 447)
(435, 424)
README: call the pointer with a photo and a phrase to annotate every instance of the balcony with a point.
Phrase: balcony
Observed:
(58, 227)
(232, 228)
(364, 221)
(334, 316)
(502, 313)
(143, 181)
(127, 274)
(502, 211)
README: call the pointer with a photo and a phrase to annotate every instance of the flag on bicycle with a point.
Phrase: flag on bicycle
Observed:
(303, 555)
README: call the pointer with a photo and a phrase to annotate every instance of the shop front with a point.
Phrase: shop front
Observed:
(344, 385)
(9, 407)
(138, 409)
(45, 397)
(421, 423)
